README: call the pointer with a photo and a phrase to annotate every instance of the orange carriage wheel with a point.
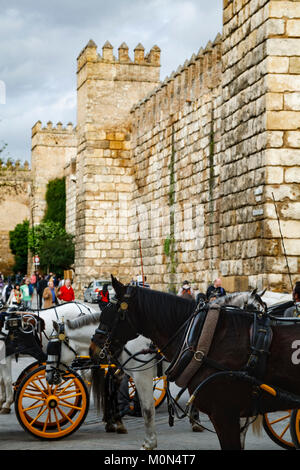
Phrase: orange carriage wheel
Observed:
(29, 368)
(278, 426)
(51, 411)
(295, 428)
(159, 390)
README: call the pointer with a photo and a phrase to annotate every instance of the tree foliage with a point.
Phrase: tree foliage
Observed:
(56, 201)
(54, 246)
(18, 243)
(57, 254)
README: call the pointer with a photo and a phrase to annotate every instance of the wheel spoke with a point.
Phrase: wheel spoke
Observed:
(285, 430)
(280, 419)
(57, 421)
(32, 407)
(38, 416)
(68, 385)
(70, 405)
(46, 421)
(64, 415)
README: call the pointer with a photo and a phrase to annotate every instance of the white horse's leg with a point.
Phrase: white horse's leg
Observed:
(6, 382)
(144, 385)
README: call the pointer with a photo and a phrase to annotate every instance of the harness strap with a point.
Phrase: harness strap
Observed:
(203, 345)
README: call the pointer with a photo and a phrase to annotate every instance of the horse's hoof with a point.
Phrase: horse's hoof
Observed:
(197, 428)
(110, 428)
(5, 411)
(122, 431)
(145, 447)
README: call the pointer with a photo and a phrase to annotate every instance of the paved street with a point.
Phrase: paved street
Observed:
(92, 436)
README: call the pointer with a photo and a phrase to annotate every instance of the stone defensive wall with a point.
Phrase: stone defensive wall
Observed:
(15, 189)
(176, 132)
(213, 146)
(260, 143)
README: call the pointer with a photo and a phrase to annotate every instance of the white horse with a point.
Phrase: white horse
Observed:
(69, 310)
(79, 332)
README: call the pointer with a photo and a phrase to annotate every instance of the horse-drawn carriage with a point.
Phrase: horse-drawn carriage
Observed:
(55, 410)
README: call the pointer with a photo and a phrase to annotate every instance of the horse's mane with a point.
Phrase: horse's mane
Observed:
(73, 302)
(228, 298)
(84, 320)
(166, 308)
(169, 309)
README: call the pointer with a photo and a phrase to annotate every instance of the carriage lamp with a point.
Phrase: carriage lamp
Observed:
(13, 323)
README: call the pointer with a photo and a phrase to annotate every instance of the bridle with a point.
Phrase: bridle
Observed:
(120, 308)
(121, 314)
(250, 305)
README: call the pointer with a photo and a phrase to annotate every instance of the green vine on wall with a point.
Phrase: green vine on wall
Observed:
(211, 179)
(169, 243)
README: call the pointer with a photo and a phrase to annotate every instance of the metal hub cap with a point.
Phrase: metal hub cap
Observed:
(52, 401)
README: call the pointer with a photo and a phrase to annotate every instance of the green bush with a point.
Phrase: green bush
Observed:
(56, 201)
(18, 243)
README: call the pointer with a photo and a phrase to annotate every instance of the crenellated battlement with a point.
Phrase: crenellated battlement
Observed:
(50, 128)
(14, 166)
(90, 55)
(185, 85)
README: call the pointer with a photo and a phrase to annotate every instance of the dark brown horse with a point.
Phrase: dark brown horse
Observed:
(225, 399)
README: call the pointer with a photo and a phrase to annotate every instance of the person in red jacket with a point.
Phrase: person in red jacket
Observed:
(66, 292)
(103, 297)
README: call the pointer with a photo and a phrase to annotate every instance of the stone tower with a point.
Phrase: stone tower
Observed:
(107, 88)
(53, 147)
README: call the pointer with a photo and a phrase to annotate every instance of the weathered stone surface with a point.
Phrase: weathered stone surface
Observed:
(15, 189)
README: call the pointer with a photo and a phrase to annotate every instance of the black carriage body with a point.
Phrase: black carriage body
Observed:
(20, 340)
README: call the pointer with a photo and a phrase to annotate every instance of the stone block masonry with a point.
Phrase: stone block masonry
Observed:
(176, 174)
(259, 126)
(15, 189)
(53, 148)
(107, 88)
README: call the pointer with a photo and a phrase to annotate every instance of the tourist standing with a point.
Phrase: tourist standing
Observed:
(41, 286)
(66, 292)
(50, 295)
(186, 291)
(27, 293)
(215, 290)
(103, 297)
(15, 297)
(294, 311)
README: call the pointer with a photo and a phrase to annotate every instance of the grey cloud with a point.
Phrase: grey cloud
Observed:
(40, 42)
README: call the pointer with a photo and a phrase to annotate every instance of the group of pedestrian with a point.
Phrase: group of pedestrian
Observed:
(49, 289)
(213, 291)
(18, 293)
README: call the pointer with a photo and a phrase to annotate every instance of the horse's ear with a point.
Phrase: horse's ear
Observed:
(55, 325)
(118, 287)
(253, 292)
(262, 292)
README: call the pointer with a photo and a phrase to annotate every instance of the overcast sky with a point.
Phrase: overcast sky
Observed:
(40, 41)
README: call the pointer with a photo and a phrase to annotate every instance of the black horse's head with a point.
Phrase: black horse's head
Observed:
(115, 327)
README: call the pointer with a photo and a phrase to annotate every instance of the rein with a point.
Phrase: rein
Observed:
(122, 314)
